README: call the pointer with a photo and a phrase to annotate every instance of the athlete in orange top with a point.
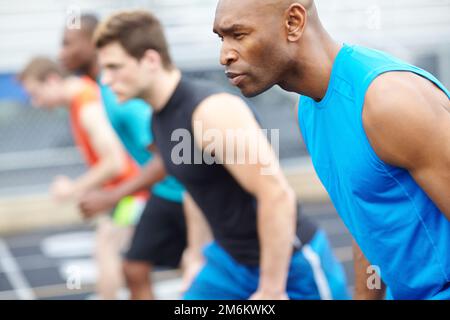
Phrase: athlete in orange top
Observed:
(108, 162)
(89, 97)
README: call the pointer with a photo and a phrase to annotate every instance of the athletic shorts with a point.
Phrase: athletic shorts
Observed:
(314, 274)
(128, 211)
(160, 235)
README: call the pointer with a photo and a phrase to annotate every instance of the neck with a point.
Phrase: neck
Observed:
(162, 89)
(91, 70)
(311, 72)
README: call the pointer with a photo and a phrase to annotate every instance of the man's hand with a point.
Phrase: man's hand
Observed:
(62, 188)
(96, 202)
(264, 295)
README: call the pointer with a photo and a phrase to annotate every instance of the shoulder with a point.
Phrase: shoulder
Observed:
(400, 97)
(137, 105)
(400, 114)
(388, 90)
(134, 111)
(92, 115)
(222, 108)
(88, 92)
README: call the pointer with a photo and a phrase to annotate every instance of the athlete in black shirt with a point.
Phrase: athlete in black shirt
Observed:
(212, 143)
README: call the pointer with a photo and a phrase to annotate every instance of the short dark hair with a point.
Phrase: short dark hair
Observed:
(137, 31)
(40, 68)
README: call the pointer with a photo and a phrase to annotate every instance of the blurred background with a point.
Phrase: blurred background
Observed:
(40, 241)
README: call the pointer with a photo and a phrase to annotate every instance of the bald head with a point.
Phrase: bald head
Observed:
(87, 26)
(88, 23)
(266, 9)
(282, 5)
(286, 3)
(277, 4)
(78, 51)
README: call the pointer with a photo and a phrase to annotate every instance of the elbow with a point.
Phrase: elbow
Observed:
(118, 165)
(278, 211)
(282, 195)
(287, 195)
(290, 197)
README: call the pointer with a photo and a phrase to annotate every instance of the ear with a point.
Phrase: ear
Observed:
(295, 21)
(152, 59)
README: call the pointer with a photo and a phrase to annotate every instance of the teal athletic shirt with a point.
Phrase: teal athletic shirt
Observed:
(131, 121)
(394, 222)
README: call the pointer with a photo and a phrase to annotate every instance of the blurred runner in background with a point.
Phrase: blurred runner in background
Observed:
(109, 165)
(160, 236)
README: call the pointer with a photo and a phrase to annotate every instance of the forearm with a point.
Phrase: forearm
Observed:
(96, 176)
(198, 231)
(276, 228)
(150, 174)
(361, 267)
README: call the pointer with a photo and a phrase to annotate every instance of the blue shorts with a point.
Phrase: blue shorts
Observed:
(314, 274)
(441, 295)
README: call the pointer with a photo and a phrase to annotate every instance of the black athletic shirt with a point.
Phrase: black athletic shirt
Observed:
(229, 209)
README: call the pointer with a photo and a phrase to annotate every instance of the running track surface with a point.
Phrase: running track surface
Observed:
(57, 264)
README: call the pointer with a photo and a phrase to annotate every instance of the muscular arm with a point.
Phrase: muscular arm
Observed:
(407, 121)
(198, 231)
(150, 174)
(198, 235)
(99, 201)
(276, 200)
(112, 156)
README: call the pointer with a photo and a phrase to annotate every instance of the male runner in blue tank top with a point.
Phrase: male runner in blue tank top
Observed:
(263, 248)
(377, 129)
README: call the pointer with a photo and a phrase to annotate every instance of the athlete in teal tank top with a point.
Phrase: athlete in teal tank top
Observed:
(131, 120)
(377, 129)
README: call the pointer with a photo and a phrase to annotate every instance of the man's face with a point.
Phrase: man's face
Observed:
(77, 51)
(44, 94)
(252, 40)
(122, 72)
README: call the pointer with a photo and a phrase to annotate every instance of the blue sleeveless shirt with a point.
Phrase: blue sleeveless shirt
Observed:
(396, 225)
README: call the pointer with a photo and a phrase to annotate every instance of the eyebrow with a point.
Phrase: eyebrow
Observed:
(229, 29)
(112, 65)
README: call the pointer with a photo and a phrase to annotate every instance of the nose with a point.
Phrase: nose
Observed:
(227, 55)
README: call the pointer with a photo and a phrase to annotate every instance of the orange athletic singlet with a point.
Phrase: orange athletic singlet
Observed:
(88, 95)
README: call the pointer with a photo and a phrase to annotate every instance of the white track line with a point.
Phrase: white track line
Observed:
(13, 273)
